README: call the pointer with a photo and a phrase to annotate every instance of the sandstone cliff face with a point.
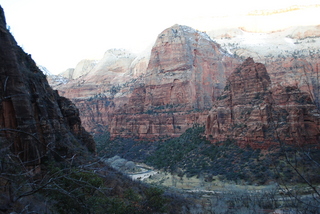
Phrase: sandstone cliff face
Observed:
(139, 65)
(291, 55)
(191, 68)
(302, 72)
(185, 74)
(252, 112)
(306, 32)
(35, 121)
(167, 90)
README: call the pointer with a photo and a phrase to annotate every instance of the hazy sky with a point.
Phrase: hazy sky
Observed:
(59, 33)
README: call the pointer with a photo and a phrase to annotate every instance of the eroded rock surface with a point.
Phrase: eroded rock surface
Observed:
(256, 114)
(166, 91)
(185, 74)
(35, 121)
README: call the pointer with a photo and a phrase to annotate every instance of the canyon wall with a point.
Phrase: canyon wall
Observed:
(186, 72)
(254, 113)
(35, 122)
(186, 79)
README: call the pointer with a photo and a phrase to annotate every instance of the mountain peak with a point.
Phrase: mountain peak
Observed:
(183, 30)
(178, 47)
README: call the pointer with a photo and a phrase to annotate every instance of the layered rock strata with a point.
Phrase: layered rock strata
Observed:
(302, 72)
(35, 121)
(253, 113)
(185, 74)
(167, 91)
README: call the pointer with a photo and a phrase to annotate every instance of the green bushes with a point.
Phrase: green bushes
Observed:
(193, 155)
(170, 153)
(76, 191)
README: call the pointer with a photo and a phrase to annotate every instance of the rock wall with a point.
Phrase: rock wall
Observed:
(185, 74)
(34, 120)
(253, 113)
(166, 91)
(302, 72)
(186, 67)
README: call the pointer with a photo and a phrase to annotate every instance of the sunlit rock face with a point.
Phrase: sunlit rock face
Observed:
(82, 68)
(35, 122)
(191, 68)
(253, 113)
(109, 71)
(185, 74)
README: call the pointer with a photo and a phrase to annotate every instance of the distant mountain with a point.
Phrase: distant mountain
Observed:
(264, 46)
(82, 68)
(185, 76)
(177, 77)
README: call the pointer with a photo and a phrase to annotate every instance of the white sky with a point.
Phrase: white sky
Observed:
(59, 33)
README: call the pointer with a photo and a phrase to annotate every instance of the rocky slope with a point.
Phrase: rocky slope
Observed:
(254, 113)
(36, 123)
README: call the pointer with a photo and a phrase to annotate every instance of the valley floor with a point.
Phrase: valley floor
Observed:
(272, 198)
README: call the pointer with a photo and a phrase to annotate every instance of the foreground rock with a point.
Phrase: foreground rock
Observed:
(36, 123)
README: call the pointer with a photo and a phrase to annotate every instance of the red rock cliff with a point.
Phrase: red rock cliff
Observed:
(186, 68)
(185, 76)
(252, 112)
(186, 73)
(34, 120)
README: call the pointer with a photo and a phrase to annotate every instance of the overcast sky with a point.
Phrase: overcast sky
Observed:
(59, 33)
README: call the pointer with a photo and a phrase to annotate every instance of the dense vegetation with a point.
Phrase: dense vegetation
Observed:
(81, 184)
(192, 155)
(87, 185)
(293, 173)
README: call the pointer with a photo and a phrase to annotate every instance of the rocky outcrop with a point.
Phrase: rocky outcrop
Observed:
(82, 68)
(253, 113)
(139, 65)
(34, 120)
